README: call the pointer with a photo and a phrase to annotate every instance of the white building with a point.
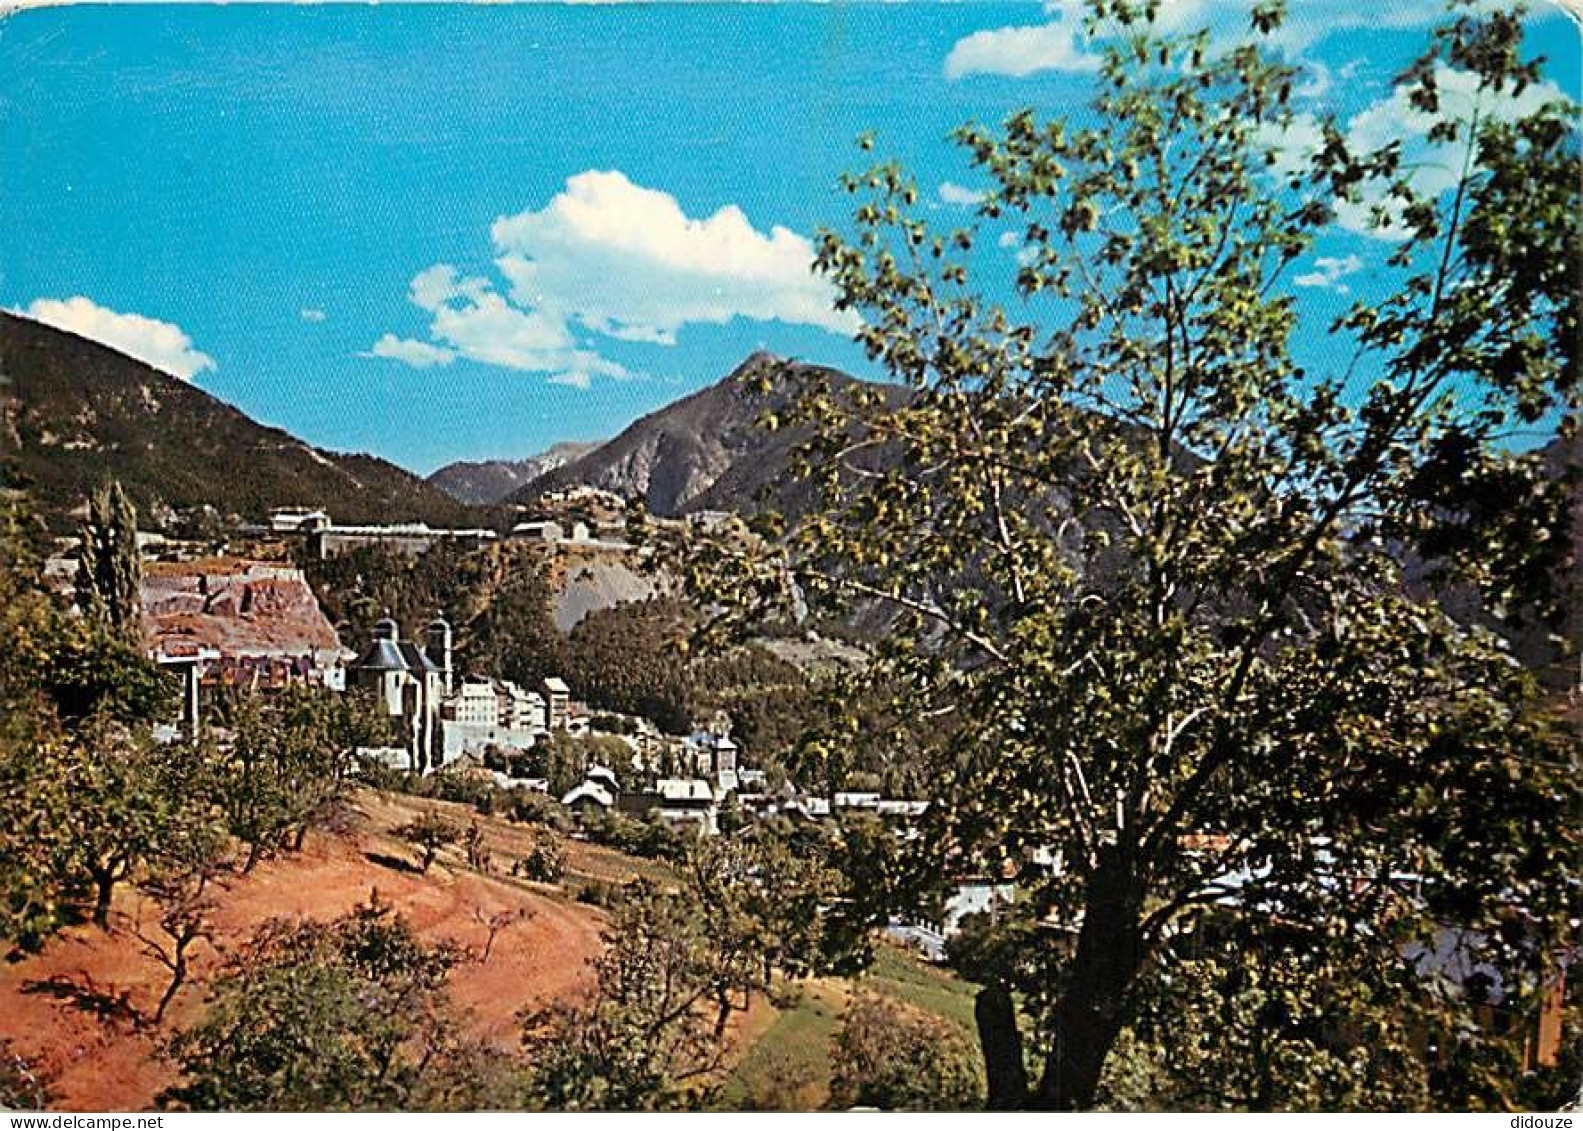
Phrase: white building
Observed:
(687, 801)
(298, 520)
(557, 703)
(713, 755)
(491, 712)
(541, 531)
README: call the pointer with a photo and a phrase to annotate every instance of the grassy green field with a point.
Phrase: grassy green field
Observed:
(935, 989)
(789, 1064)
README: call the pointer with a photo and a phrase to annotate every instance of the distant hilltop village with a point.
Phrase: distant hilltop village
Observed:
(230, 623)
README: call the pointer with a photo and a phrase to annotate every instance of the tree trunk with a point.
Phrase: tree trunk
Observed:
(104, 883)
(254, 851)
(300, 837)
(1093, 1010)
(1004, 1070)
(178, 977)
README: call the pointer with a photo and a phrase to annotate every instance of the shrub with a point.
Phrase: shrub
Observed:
(430, 832)
(538, 809)
(891, 1056)
(545, 860)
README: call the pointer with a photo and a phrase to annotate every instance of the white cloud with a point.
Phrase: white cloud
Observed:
(1020, 51)
(1309, 21)
(606, 258)
(164, 345)
(310, 314)
(1329, 271)
(1432, 168)
(476, 322)
(419, 355)
(952, 193)
(625, 261)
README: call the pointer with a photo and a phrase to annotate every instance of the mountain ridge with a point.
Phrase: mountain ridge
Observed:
(705, 451)
(74, 413)
(489, 481)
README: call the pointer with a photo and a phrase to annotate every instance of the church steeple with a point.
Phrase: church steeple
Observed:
(437, 646)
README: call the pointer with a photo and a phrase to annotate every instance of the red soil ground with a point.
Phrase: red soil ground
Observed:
(76, 1011)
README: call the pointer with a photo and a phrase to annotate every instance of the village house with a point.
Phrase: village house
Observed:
(298, 520)
(686, 801)
(599, 789)
(411, 539)
(712, 755)
(557, 703)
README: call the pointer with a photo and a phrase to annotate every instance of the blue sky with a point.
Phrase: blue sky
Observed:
(437, 232)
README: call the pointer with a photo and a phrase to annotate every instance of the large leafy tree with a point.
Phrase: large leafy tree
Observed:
(899, 1058)
(1178, 605)
(649, 1037)
(82, 801)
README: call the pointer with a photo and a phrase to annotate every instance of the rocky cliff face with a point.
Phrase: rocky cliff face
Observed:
(240, 608)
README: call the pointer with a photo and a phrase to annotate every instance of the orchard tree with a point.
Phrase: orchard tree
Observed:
(430, 831)
(289, 765)
(649, 1036)
(31, 834)
(116, 813)
(345, 1015)
(80, 810)
(1175, 603)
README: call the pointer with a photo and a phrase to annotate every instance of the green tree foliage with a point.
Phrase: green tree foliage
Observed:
(769, 700)
(1162, 587)
(653, 838)
(562, 759)
(30, 832)
(1281, 1024)
(73, 667)
(650, 1037)
(110, 565)
(358, 588)
(82, 800)
(289, 763)
(782, 902)
(545, 859)
(625, 659)
(117, 814)
(513, 634)
(895, 1058)
(345, 1015)
(499, 601)
(91, 671)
